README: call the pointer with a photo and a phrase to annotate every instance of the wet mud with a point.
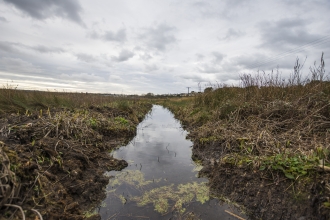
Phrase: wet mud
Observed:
(264, 195)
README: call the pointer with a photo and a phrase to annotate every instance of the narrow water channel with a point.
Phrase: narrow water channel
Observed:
(161, 180)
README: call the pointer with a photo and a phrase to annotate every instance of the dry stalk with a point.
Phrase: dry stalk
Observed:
(18, 207)
(38, 213)
(236, 216)
(8, 183)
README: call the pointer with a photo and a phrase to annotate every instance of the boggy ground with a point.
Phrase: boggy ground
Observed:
(52, 162)
(264, 149)
(267, 195)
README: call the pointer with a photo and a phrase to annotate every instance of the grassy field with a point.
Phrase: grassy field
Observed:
(263, 122)
(13, 100)
(267, 117)
(273, 128)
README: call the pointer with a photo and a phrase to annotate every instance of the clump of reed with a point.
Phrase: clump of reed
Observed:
(260, 88)
(265, 119)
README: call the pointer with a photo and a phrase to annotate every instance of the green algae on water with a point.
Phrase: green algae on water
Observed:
(134, 178)
(165, 198)
(180, 195)
(122, 199)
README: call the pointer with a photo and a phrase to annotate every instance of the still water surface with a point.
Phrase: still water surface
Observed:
(161, 180)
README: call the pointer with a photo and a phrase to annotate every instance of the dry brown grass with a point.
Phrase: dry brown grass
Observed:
(46, 135)
(14, 100)
(267, 123)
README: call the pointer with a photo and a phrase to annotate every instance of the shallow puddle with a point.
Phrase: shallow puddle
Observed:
(161, 180)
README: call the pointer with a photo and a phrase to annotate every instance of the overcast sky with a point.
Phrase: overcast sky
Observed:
(158, 46)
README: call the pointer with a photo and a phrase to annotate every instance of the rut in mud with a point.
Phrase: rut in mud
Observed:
(161, 180)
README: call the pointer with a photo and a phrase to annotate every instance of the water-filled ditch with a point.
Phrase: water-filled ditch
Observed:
(161, 180)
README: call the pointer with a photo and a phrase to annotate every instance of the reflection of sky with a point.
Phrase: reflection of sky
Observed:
(161, 151)
(161, 148)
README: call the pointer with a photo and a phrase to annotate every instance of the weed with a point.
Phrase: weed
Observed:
(121, 120)
(14, 167)
(207, 140)
(93, 122)
(292, 167)
(123, 105)
(203, 117)
(90, 213)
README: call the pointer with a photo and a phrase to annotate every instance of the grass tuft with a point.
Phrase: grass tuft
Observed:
(272, 122)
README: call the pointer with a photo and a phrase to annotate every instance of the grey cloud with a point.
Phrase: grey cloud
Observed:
(93, 35)
(246, 61)
(198, 78)
(194, 78)
(83, 77)
(17, 65)
(159, 37)
(294, 2)
(115, 78)
(212, 66)
(233, 8)
(145, 56)
(260, 61)
(305, 3)
(42, 9)
(227, 9)
(12, 48)
(119, 36)
(206, 9)
(200, 4)
(7, 46)
(124, 55)
(169, 69)
(209, 68)
(3, 19)
(230, 67)
(199, 56)
(232, 34)
(150, 68)
(289, 23)
(218, 57)
(44, 49)
(285, 33)
(85, 57)
(236, 3)
(223, 77)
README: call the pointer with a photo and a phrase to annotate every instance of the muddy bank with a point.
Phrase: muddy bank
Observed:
(264, 160)
(265, 195)
(52, 162)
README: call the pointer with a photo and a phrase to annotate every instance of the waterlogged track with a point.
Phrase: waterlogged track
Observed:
(161, 180)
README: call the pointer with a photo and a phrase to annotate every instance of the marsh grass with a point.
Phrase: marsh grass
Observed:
(14, 100)
(268, 122)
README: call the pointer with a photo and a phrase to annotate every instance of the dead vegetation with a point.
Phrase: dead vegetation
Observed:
(272, 130)
(52, 160)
